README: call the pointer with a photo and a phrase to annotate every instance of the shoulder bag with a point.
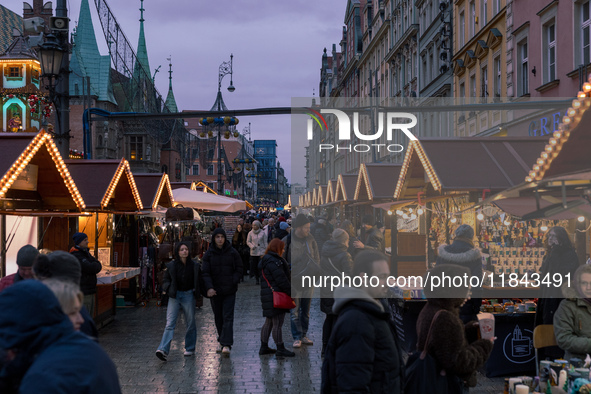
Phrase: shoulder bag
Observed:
(280, 299)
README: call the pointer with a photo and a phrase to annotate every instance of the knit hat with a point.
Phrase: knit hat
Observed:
(79, 237)
(340, 236)
(300, 220)
(281, 219)
(217, 231)
(465, 231)
(283, 225)
(26, 256)
(58, 265)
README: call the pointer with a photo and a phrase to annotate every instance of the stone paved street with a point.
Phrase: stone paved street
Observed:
(131, 341)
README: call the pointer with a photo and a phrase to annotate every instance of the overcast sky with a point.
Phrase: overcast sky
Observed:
(277, 47)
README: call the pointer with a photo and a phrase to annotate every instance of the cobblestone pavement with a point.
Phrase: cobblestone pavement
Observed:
(131, 341)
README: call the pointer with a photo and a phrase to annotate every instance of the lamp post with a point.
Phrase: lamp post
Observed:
(225, 69)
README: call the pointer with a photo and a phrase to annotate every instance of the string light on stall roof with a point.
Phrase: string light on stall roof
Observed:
(390, 212)
(399, 212)
(581, 219)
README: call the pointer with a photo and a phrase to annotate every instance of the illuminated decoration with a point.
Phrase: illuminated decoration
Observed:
(74, 154)
(164, 182)
(581, 219)
(123, 168)
(341, 189)
(42, 138)
(206, 189)
(320, 195)
(314, 197)
(415, 146)
(363, 177)
(330, 192)
(248, 205)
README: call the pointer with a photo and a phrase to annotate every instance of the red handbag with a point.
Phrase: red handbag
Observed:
(280, 299)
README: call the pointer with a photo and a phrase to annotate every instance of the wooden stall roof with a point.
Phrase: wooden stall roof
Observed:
(321, 195)
(466, 164)
(331, 188)
(21, 154)
(202, 187)
(568, 149)
(183, 185)
(376, 181)
(346, 187)
(154, 190)
(106, 184)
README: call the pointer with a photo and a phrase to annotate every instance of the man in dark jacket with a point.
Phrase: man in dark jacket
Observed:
(222, 270)
(374, 239)
(321, 234)
(43, 353)
(363, 354)
(282, 232)
(462, 252)
(24, 260)
(89, 266)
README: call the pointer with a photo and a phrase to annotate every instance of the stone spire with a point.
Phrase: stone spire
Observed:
(170, 101)
(142, 50)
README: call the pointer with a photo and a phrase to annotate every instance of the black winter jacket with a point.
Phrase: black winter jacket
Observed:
(169, 285)
(222, 269)
(561, 260)
(89, 267)
(276, 271)
(464, 254)
(362, 355)
(375, 240)
(340, 261)
(281, 234)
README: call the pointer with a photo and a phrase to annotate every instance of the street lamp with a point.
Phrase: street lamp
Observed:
(225, 69)
(51, 54)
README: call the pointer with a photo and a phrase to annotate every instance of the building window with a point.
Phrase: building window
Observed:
(497, 75)
(210, 185)
(523, 72)
(473, 85)
(586, 32)
(483, 12)
(496, 6)
(472, 19)
(136, 148)
(14, 72)
(462, 92)
(484, 81)
(550, 52)
(462, 32)
(210, 169)
(195, 169)
(195, 153)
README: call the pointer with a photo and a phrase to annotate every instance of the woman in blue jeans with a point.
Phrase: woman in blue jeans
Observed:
(180, 283)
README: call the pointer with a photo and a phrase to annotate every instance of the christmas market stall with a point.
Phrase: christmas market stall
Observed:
(111, 195)
(345, 195)
(39, 200)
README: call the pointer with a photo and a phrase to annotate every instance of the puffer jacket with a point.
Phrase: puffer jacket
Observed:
(276, 271)
(222, 269)
(464, 254)
(169, 285)
(561, 260)
(334, 261)
(89, 267)
(362, 355)
(572, 322)
(257, 242)
(449, 345)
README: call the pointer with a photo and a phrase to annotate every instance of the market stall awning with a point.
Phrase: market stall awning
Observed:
(346, 188)
(202, 187)
(208, 201)
(376, 181)
(106, 185)
(154, 190)
(568, 149)
(436, 166)
(34, 175)
(549, 207)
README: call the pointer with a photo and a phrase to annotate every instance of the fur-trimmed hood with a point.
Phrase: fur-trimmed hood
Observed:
(458, 254)
(344, 295)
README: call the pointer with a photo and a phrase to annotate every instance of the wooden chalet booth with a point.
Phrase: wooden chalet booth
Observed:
(111, 195)
(156, 195)
(38, 197)
(345, 196)
(202, 187)
(183, 185)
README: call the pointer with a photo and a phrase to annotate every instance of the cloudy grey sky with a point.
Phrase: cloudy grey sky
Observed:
(277, 47)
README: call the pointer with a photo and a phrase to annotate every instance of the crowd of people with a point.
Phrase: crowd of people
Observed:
(48, 340)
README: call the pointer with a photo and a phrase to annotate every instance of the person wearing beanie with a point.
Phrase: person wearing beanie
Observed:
(283, 230)
(449, 345)
(374, 238)
(222, 271)
(89, 268)
(257, 242)
(181, 283)
(24, 260)
(64, 267)
(301, 252)
(334, 261)
(462, 252)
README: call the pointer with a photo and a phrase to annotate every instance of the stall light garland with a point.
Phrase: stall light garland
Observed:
(559, 138)
(363, 174)
(416, 146)
(23, 160)
(163, 183)
(123, 167)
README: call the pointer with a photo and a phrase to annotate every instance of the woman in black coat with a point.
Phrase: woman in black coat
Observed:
(239, 243)
(275, 272)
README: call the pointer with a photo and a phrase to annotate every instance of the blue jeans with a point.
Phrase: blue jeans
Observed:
(185, 300)
(300, 315)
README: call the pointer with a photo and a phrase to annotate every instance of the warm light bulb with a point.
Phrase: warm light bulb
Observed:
(420, 211)
(410, 210)
(413, 216)
(544, 228)
(405, 216)
(506, 222)
(581, 219)
(390, 213)
(453, 220)
(399, 212)
(480, 216)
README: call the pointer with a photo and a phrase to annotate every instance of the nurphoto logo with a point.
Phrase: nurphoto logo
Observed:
(391, 119)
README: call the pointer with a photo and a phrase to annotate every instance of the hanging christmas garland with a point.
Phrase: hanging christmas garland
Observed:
(41, 103)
